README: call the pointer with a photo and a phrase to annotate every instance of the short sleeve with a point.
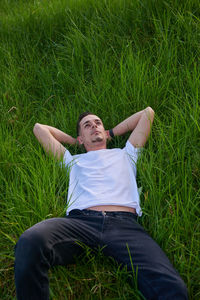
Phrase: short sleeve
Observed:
(133, 152)
(67, 158)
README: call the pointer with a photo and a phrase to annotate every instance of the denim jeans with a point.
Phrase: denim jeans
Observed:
(57, 241)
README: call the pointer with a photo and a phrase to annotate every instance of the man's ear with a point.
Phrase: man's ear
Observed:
(108, 137)
(79, 139)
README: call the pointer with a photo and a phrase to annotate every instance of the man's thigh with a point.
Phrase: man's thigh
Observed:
(130, 245)
(60, 239)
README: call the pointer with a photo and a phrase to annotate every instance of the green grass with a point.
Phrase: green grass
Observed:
(59, 58)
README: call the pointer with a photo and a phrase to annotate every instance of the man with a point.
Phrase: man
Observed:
(103, 205)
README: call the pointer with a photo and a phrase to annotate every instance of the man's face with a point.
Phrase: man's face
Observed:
(92, 133)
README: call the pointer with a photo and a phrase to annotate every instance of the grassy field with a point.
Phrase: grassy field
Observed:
(59, 58)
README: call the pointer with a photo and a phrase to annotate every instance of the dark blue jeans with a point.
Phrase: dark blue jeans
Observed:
(57, 241)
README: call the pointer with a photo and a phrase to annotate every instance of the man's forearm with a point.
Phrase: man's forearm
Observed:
(59, 135)
(128, 124)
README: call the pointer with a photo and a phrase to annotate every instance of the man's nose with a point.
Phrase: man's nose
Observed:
(94, 125)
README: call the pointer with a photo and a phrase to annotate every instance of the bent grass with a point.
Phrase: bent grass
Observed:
(60, 58)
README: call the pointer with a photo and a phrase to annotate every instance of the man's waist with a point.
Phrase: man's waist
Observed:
(107, 208)
(102, 213)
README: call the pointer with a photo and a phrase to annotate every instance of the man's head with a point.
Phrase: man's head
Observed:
(91, 132)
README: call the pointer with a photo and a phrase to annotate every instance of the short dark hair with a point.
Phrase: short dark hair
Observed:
(83, 115)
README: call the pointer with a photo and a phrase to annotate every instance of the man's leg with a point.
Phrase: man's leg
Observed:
(130, 245)
(46, 244)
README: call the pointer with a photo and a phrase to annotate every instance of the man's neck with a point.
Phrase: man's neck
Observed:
(96, 146)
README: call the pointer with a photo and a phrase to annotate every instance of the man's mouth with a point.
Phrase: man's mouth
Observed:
(95, 132)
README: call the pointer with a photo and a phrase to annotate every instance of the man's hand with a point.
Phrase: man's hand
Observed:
(108, 135)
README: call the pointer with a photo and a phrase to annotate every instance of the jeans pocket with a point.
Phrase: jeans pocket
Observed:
(128, 217)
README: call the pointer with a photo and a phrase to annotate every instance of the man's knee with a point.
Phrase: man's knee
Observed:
(179, 290)
(30, 249)
(162, 286)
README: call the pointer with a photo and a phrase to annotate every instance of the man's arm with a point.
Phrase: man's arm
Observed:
(51, 138)
(140, 124)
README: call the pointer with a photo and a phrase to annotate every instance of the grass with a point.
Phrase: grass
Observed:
(59, 58)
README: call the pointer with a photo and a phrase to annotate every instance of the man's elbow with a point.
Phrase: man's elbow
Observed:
(150, 110)
(36, 129)
(150, 113)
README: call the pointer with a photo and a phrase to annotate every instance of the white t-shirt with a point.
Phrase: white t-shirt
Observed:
(103, 177)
